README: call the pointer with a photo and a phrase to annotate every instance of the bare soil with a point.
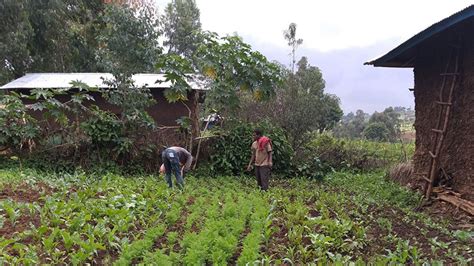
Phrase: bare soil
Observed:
(25, 192)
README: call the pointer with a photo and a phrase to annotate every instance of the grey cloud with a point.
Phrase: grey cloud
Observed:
(358, 86)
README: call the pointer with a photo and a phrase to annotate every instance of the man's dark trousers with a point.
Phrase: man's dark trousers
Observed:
(263, 175)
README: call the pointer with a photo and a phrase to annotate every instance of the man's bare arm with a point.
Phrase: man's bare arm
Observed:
(252, 159)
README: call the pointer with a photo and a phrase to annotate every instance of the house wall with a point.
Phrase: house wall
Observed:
(164, 113)
(457, 154)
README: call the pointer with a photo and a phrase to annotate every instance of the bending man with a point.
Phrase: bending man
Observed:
(173, 158)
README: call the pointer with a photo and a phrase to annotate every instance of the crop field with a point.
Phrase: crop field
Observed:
(115, 220)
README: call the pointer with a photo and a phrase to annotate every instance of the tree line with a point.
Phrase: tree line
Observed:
(380, 126)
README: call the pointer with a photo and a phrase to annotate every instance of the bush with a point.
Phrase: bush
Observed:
(325, 153)
(231, 151)
(103, 127)
(313, 168)
(376, 131)
(17, 127)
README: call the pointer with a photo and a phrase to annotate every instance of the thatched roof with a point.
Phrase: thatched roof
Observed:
(404, 54)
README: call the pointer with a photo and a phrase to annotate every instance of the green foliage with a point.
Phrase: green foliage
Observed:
(134, 124)
(376, 131)
(390, 119)
(140, 247)
(228, 67)
(384, 126)
(48, 36)
(232, 66)
(121, 220)
(373, 187)
(76, 36)
(404, 253)
(64, 114)
(176, 69)
(17, 127)
(326, 153)
(463, 235)
(185, 124)
(218, 238)
(260, 232)
(182, 26)
(300, 106)
(118, 37)
(104, 128)
(313, 168)
(132, 101)
(231, 151)
(64, 35)
(16, 30)
(129, 42)
(71, 126)
(352, 125)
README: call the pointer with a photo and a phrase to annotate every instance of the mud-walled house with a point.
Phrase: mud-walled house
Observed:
(163, 112)
(442, 57)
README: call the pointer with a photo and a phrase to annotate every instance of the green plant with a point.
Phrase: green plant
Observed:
(18, 129)
(231, 152)
(463, 235)
(103, 127)
(361, 155)
(376, 131)
(313, 168)
(404, 253)
(109, 218)
(11, 210)
(385, 223)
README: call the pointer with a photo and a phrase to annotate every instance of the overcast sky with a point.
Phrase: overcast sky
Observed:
(338, 37)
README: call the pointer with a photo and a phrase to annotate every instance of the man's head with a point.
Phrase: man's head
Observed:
(257, 133)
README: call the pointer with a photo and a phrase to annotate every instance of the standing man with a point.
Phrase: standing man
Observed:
(173, 158)
(261, 158)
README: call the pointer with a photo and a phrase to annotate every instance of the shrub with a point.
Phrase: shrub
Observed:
(17, 127)
(312, 167)
(325, 153)
(231, 151)
(103, 128)
(376, 131)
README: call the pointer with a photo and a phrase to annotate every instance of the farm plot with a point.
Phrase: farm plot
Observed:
(116, 220)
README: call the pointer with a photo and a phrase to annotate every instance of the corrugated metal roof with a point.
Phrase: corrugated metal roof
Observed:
(403, 55)
(62, 80)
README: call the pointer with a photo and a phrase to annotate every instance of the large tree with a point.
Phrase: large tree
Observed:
(129, 42)
(64, 34)
(76, 36)
(48, 36)
(301, 106)
(182, 27)
(310, 77)
(390, 120)
(352, 125)
(307, 106)
(16, 31)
